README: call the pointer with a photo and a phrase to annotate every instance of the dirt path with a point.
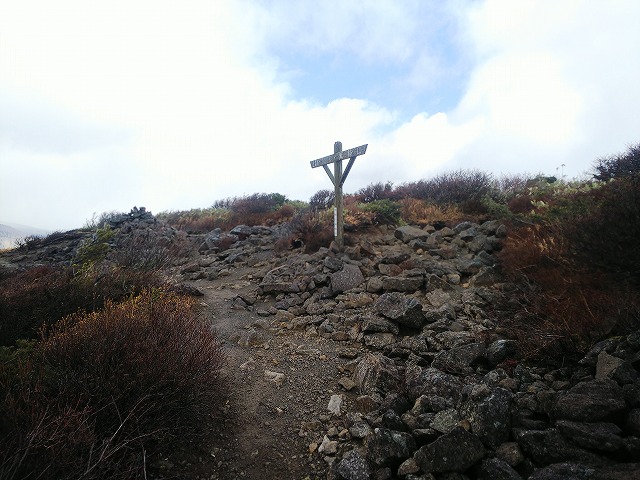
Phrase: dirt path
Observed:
(282, 380)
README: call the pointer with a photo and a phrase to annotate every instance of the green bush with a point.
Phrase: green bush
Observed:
(385, 211)
(102, 390)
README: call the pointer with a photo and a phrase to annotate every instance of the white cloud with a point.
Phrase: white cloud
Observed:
(173, 106)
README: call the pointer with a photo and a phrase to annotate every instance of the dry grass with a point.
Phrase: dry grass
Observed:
(419, 212)
(561, 305)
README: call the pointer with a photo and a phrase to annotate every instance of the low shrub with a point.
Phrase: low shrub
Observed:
(605, 233)
(384, 211)
(322, 199)
(101, 390)
(376, 192)
(43, 295)
(315, 229)
(561, 305)
(419, 212)
(619, 165)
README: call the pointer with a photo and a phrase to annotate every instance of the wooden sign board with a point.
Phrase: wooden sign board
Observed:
(342, 155)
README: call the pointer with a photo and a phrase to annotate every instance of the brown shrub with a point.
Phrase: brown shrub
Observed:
(419, 212)
(561, 305)
(314, 228)
(43, 295)
(101, 389)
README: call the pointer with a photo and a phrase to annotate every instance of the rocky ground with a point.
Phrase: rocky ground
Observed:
(387, 361)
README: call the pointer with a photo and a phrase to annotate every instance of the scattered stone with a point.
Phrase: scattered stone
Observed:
(400, 308)
(335, 404)
(346, 279)
(275, 377)
(589, 401)
(456, 451)
(353, 466)
(388, 447)
(347, 383)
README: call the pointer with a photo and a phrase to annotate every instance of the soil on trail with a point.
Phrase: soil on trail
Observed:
(281, 381)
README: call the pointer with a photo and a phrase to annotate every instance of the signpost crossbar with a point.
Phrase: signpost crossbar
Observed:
(352, 152)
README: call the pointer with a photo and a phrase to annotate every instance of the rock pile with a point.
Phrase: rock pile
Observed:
(138, 231)
(434, 392)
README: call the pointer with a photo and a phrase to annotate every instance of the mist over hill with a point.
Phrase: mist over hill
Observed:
(10, 232)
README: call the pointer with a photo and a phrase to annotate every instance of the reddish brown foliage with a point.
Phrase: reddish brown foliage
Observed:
(43, 295)
(561, 303)
(101, 389)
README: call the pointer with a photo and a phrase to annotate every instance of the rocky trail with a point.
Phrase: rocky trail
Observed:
(388, 361)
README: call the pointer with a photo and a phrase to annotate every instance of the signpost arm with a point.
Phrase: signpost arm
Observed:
(337, 182)
(347, 170)
(326, 169)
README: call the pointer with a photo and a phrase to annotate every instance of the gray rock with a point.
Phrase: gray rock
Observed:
(374, 284)
(431, 403)
(400, 308)
(281, 280)
(590, 401)
(632, 424)
(402, 284)
(510, 452)
(446, 420)
(432, 382)
(349, 277)
(379, 341)
(360, 430)
(438, 298)
(378, 324)
(596, 436)
(353, 466)
(241, 231)
(497, 469)
(468, 266)
(498, 351)
(549, 446)
(563, 471)
(629, 471)
(458, 358)
(606, 365)
(407, 233)
(376, 374)
(486, 277)
(454, 452)
(388, 447)
(489, 413)
(333, 263)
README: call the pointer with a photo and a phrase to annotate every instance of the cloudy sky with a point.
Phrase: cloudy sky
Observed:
(173, 105)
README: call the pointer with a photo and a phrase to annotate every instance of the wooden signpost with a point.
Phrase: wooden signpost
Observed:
(338, 178)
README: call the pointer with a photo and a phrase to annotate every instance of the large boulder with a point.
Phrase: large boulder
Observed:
(376, 374)
(388, 447)
(489, 413)
(346, 279)
(400, 308)
(407, 233)
(459, 358)
(590, 401)
(456, 451)
(353, 466)
(432, 382)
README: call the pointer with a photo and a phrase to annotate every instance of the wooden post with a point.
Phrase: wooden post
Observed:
(338, 178)
(339, 206)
